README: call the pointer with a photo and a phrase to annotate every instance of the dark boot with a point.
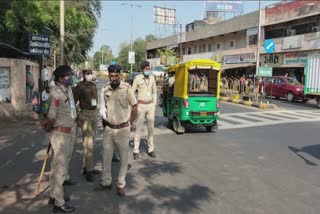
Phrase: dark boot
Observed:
(89, 176)
(51, 200)
(63, 209)
(69, 182)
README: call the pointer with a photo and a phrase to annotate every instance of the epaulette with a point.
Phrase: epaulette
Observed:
(126, 84)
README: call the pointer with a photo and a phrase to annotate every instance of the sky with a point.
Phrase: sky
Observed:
(115, 21)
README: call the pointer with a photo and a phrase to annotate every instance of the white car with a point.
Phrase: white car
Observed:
(158, 71)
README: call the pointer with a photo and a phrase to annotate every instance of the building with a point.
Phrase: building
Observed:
(294, 26)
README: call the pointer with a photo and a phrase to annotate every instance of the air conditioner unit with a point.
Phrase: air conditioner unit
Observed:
(291, 32)
(315, 29)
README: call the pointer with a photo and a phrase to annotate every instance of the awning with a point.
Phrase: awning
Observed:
(238, 65)
(293, 66)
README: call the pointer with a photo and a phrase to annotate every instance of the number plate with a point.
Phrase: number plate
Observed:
(203, 114)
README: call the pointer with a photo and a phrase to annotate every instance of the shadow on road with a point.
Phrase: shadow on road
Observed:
(313, 150)
(149, 181)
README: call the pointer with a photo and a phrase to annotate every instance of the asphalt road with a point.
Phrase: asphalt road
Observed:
(258, 162)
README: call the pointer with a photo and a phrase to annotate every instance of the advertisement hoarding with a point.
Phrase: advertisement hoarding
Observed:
(164, 15)
(225, 6)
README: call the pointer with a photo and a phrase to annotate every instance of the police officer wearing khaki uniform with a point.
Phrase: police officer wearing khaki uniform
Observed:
(86, 93)
(118, 109)
(61, 120)
(147, 99)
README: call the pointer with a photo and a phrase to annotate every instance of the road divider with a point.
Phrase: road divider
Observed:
(260, 104)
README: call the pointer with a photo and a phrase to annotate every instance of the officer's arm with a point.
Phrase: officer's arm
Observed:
(154, 92)
(135, 85)
(54, 103)
(102, 109)
(133, 102)
(76, 94)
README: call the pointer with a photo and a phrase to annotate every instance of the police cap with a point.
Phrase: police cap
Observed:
(144, 64)
(62, 70)
(114, 68)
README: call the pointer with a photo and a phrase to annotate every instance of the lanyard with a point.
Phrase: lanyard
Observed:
(65, 95)
(146, 82)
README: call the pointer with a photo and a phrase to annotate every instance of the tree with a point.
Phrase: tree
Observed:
(167, 56)
(105, 53)
(150, 38)
(21, 17)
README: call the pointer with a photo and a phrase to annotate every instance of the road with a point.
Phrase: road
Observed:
(258, 162)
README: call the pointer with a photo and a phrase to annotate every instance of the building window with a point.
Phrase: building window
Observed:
(231, 44)
(204, 48)
(192, 26)
(218, 46)
(189, 50)
(183, 50)
(200, 49)
(209, 48)
(194, 49)
(187, 28)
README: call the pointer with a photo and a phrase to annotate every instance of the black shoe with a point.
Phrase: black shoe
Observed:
(115, 159)
(135, 156)
(121, 191)
(51, 200)
(63, 209)
(69, 182)
(101, 187)
(89, 176)
(95, 172)
(152, 154)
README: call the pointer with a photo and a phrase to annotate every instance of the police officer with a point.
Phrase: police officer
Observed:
(86, 93)
(117, 97)
(147, 99)
(61, 120)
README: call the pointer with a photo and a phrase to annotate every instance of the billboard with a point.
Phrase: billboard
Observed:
(225, 6)
(164, 15)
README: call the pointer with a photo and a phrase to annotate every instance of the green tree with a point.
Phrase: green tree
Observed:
(21, 17)
(167, 56)
(150, 38)
(105, 53)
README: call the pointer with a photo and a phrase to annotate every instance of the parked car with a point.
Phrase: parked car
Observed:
(158, 71)
(286, 87)
(131, 77)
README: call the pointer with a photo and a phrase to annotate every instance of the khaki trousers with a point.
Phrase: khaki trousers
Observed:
(89, 118)
(62, 148)
(144, 111)
(73, 134)
(115, 138)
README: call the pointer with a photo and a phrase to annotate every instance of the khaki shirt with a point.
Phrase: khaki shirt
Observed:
(59, 106)
(116, 103)
(147, 88)
(87, 95)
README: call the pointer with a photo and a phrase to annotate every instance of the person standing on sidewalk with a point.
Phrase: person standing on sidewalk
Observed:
(45, 77)
(87, 94)
(29, 84)
(147, 99)
(60, 121)
(119, 110)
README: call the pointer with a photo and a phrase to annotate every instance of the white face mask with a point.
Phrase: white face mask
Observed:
(89, 77)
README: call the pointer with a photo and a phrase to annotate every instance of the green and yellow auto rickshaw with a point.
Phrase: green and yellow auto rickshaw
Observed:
(190, 94)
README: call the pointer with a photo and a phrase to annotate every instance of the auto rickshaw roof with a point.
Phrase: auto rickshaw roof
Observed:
(197, 64)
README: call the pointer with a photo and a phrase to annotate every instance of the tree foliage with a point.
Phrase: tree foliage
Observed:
(167, 56)
(19, 18)
(104, 56)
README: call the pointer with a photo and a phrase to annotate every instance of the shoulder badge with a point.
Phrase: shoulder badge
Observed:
(56, 102)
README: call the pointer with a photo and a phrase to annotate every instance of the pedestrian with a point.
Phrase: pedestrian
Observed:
(29, 84)
(120, 108)
(147, 99)
(44, 99)
(45, 77)
(242, 83)
(60, 122)
(87, 95)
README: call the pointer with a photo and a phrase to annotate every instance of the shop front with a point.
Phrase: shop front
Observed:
(235, 66)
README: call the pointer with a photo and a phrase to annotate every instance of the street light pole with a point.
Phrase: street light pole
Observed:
(258, 42)
(61, 31)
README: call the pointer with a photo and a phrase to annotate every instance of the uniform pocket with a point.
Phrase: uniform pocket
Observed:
(123, 101)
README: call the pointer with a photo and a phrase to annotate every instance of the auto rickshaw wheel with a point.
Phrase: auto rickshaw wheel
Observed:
(212, 128)
(177, 127)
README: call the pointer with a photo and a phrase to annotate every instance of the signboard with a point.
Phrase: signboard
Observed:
(4, 84)
(241, 58)
(225, 6)
(271, 60)
(269, 46)
(265, 72)
(292, 42)
(164, 15)
(103, 67)
(295, 58)
(131, 57)
(39, 44)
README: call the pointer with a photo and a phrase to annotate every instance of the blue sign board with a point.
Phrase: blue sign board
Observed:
(39, 44)
(225, 6)
(113, 62)
(269, 46)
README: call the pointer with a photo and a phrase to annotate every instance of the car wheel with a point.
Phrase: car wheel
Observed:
(277, 98)
(290, 97)
(318, 102)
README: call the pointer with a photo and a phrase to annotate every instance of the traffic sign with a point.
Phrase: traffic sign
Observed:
(265, 71)
(39, 44)
(131, 57)
(269, 46)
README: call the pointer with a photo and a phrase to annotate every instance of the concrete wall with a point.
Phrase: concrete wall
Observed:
(18, 86)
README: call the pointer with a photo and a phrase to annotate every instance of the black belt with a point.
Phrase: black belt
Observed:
(120, 126)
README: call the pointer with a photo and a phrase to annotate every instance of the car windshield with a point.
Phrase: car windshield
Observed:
(292, 81)
(158, 68)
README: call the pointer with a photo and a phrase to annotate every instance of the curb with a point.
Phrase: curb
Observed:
(248, 103)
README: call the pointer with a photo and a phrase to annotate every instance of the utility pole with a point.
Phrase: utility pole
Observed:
(181, 54)
(258, 42)
(61, 32)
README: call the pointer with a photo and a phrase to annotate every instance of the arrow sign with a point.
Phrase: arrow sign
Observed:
(269, 46)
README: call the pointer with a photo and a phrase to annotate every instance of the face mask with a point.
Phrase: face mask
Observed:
(146, 73)
(68, 81)
(88, 77)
